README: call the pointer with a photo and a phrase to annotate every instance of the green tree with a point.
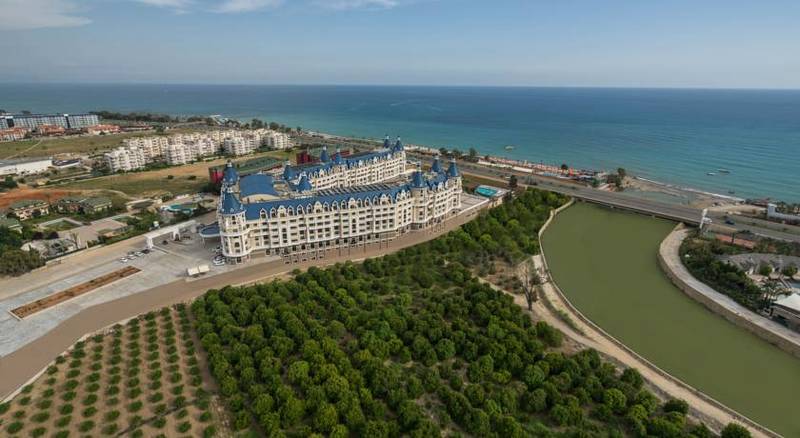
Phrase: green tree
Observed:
(733, 430)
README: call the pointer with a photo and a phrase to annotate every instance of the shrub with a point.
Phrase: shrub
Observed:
(159, 422)
(4, 407)
(110, 429)
(25, 401)
(61, 434)
(86, 426)
(52, 369)
(205, 417)
(90, 399)
(48, 393)
(19, 414)
(155, 398)
(44, 404)
(14, 427)
(67, 396)
(65, 409)
(64, 421)
(184, 427)
(135, 406)
(39, 431)
(209, 432)
(72, 374)
(41, 417)
(111, 416)
(90, 411)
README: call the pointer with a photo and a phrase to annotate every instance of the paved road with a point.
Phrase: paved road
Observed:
(682, 213)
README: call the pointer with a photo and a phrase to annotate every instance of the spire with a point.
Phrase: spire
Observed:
(324, 155)
(417, 180)
(436, 167)
(398, 146)
(229, 203)
(288, 172)
(386, 143)
(452, 171)
(304, 185)
(230, 176)
(337, 157)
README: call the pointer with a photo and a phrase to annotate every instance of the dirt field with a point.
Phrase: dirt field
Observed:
(49, 195)
(156, 182)
(141, 379)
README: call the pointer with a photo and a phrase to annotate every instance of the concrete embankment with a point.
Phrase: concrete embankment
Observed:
(768, 330)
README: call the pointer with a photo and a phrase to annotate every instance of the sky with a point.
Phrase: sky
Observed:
(615, 43)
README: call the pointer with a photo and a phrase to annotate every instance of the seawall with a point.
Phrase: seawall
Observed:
(766, 329)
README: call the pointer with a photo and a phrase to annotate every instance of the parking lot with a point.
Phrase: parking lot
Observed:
(164, 264)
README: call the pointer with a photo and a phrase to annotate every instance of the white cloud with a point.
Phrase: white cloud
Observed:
(236, 6)
(355, 4)
(38, 14)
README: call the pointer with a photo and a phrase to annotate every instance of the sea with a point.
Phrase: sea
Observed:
(744, 143)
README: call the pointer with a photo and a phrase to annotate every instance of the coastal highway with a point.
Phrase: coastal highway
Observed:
(677, 212)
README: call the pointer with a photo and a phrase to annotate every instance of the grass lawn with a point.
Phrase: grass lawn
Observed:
(89, 144)
(158, 181)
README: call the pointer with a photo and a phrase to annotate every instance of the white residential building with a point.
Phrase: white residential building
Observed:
(153, 146)
(125, 159)
(278, 140)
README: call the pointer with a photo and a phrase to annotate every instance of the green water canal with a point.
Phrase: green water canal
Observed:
(605, 261)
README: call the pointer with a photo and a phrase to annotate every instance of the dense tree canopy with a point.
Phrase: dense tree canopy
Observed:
(413, 344)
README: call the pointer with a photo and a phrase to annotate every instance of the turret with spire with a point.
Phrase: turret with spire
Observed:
(386, 143)
(398, 146)
(436, 167)
(288, 172)
(324, 155)
(417, 179)
(304, 185)
(230, 176)
(452, 171)
(229, 203)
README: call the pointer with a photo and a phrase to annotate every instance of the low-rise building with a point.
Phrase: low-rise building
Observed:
(83, 204)
(101, 129)
(26, 166)
(29, 208)
(13, 134)
(50, 130)
(787, 310)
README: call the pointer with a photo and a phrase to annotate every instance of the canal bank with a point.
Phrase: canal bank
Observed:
(622, 289)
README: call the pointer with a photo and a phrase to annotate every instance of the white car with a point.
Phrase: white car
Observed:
(139, 254)
(123, 260)
(216, 262)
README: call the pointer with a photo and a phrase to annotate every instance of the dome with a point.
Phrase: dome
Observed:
(324, 155)
(230, 176)
(386, 143)
(337, 157)
(398, 146)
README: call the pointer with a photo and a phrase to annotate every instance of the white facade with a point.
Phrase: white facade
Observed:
(240, 145)
(278, 140)
(352, 171)
(335, 218)
(153, 147)
(25, 167)
(33, 121)
(125, 159)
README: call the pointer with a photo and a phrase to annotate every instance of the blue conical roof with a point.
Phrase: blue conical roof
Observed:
(398, 146)
(288, 172)
(304, 184)
(324, 155)
(452, 171)
(230, 176)
(229, 203)
(337, 157)
(436, 166)
(386, 142)
(417, 180)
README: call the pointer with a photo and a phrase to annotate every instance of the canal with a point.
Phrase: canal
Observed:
(606, 263)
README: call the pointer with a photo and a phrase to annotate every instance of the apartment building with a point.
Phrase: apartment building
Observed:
(125, 159)
(254, 217)
(12, 134)
(33, 121)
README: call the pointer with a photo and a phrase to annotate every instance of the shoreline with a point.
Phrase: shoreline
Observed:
(693, 196)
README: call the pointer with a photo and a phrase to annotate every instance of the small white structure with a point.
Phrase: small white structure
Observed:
(174, 231)
(25, 167)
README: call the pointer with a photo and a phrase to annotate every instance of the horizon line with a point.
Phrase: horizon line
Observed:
(400, 85)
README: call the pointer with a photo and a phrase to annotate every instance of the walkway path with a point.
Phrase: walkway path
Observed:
(24, 364)
(767, 329)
